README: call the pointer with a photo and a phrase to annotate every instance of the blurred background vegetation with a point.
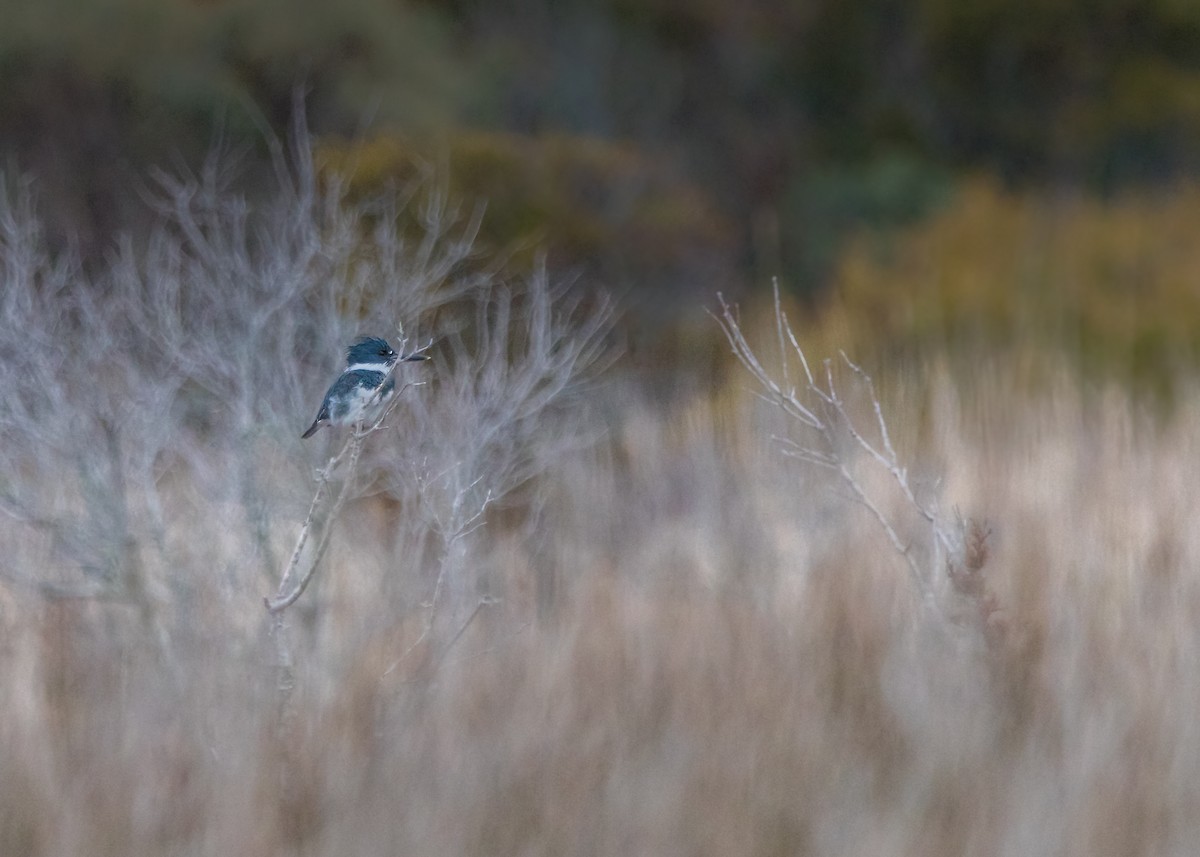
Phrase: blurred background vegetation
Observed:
(908, 170)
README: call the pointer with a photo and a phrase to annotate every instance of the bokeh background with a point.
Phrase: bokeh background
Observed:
(666, 150)
(589, 593)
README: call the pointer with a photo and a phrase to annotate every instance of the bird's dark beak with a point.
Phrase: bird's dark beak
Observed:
(414, 358)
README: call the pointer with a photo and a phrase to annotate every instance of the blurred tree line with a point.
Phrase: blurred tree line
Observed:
(671, 146)
(1106, 287)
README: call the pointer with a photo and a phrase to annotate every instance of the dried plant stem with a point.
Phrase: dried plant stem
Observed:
(290, 588)
(290, 591)
(463, 529)
(818, 407)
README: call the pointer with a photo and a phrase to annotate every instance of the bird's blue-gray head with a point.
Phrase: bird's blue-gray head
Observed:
(370, 350)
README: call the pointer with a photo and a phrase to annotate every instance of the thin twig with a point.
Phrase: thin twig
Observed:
(288, 593)
(437, 662)
(821, 409)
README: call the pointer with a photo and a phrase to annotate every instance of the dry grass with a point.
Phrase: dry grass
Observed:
(732, 663)
(653, 633)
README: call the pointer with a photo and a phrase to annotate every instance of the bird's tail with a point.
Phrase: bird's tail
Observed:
(312, 429)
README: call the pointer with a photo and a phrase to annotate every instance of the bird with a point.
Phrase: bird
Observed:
(368, 368)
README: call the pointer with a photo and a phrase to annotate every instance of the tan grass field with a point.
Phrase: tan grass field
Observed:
(733, 661)
(563, 612)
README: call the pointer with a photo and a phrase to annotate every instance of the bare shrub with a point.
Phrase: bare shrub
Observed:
(828, 430)
(171, 385)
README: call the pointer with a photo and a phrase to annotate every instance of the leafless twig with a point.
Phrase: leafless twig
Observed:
(818, 407)
(290, 587)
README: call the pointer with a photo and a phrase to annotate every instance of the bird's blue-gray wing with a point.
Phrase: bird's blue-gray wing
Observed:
(347, 388)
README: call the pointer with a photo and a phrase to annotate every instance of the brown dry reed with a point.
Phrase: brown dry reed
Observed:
(657, 634)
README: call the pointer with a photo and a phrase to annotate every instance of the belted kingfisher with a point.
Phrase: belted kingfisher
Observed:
(368, 362)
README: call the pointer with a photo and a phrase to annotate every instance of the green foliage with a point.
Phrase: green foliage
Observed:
(92, 92)
(1101, 91)
(1112, 283)
(241, 55)
(820, 209)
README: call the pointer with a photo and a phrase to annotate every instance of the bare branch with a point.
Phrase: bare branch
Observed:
(823, 415)
(289, 592)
